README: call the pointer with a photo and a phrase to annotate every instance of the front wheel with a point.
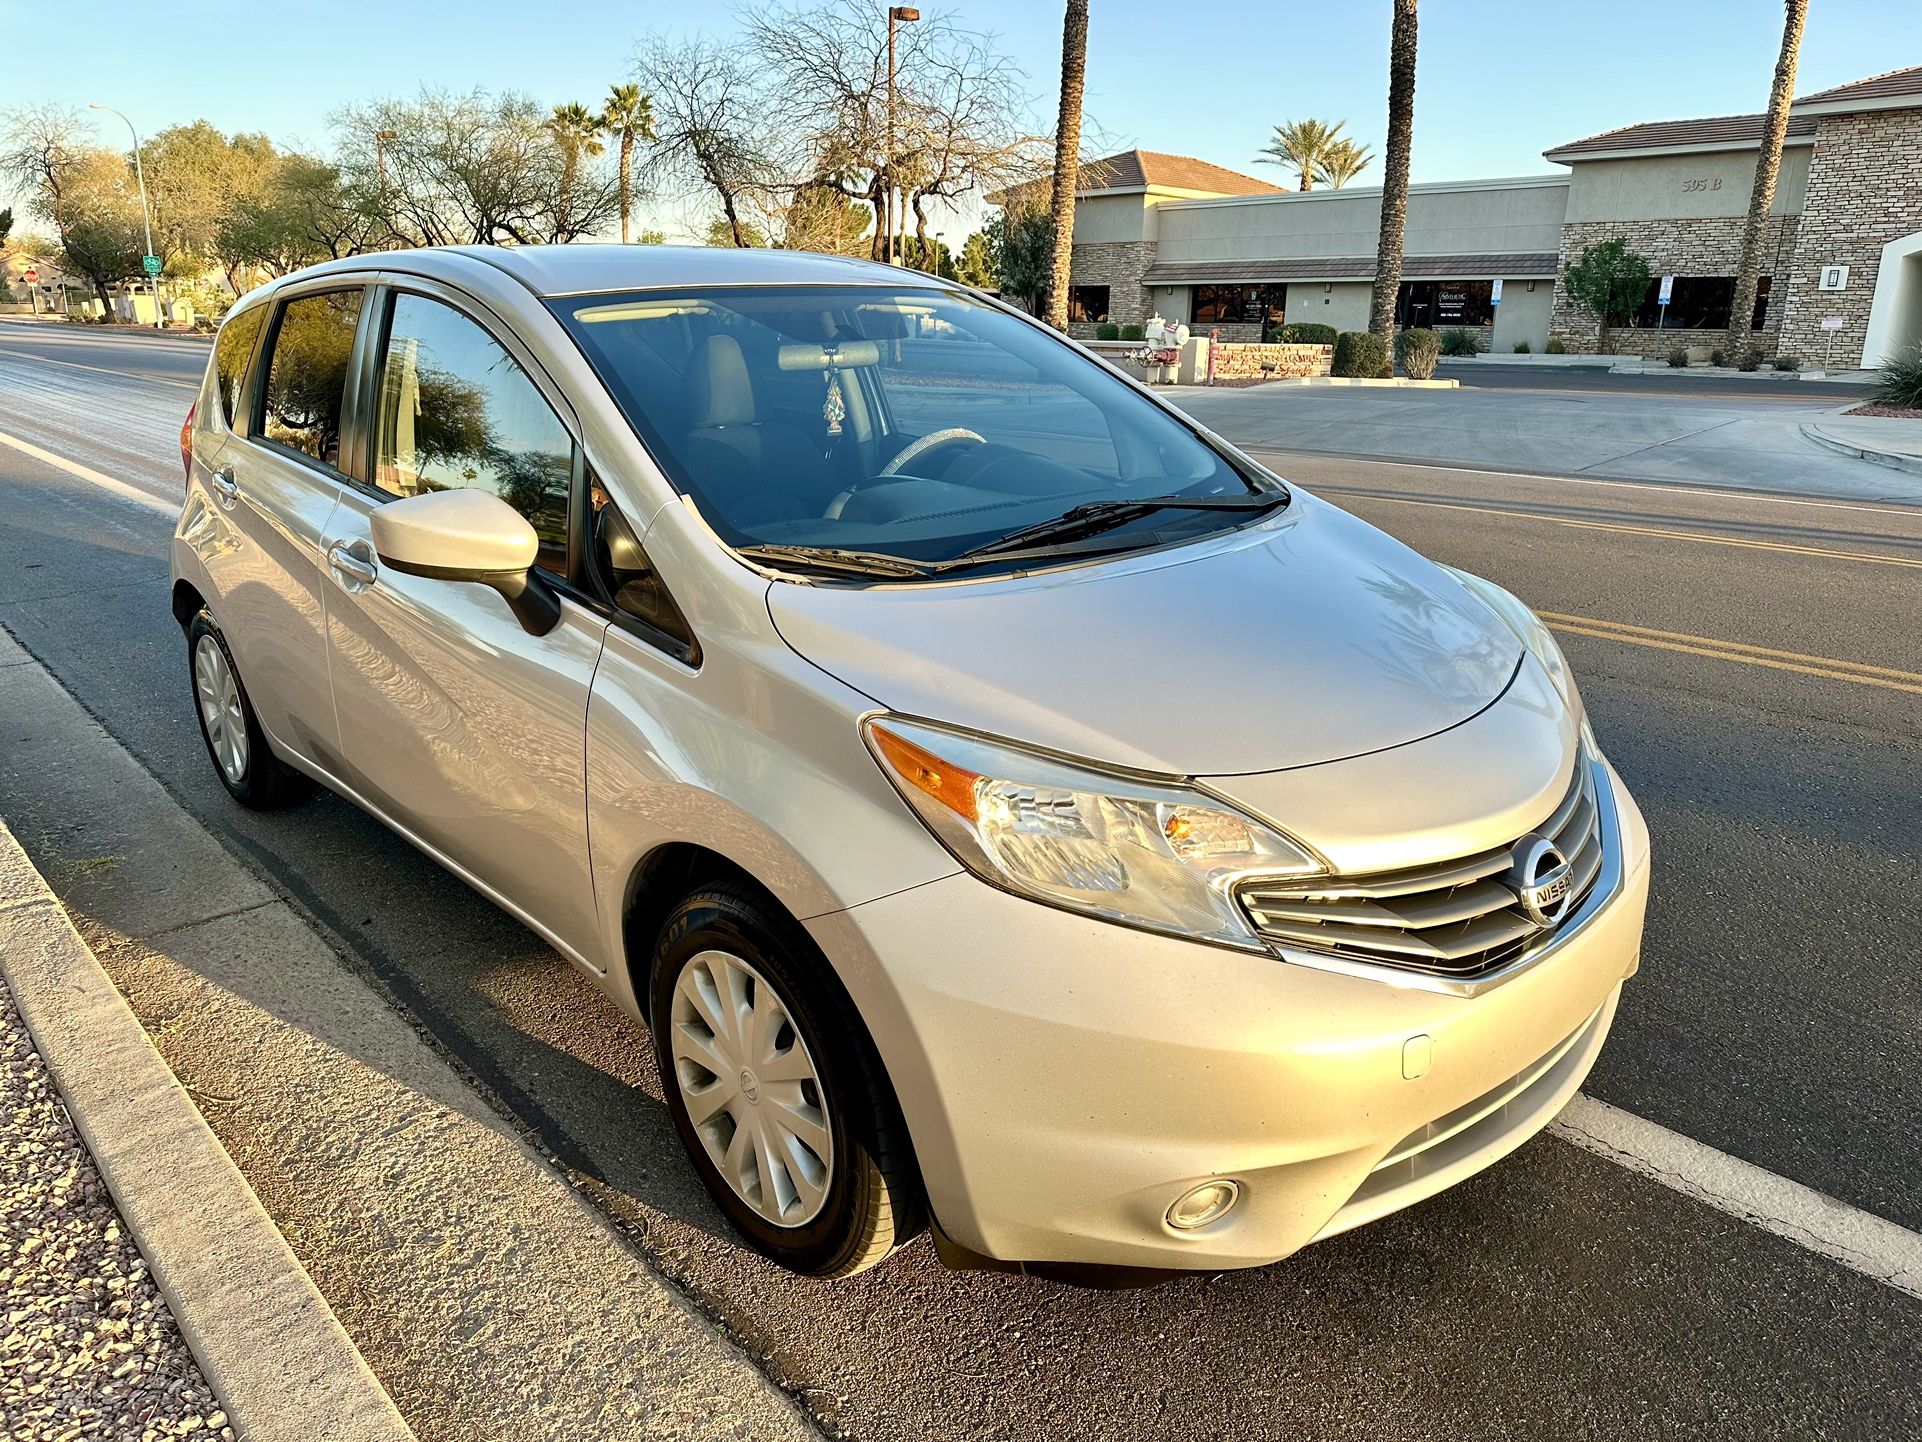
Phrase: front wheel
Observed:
(247, 767)
(775, 1089)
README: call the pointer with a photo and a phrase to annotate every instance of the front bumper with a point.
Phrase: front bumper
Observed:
(1064, 1079)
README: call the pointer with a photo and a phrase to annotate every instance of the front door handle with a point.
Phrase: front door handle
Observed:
(225, 486)
(353, 562)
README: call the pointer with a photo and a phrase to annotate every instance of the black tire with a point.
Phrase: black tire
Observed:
(874, 1202)
(266, 783)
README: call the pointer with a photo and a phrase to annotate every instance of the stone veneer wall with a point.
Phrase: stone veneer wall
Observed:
(1119, 265)
(1671, 247)
(1235, 360)
(1865, 190)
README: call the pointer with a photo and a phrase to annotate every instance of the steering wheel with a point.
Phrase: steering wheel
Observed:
(914, 450)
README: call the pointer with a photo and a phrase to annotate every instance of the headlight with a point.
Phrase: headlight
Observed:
(1161, 856)
(1529, 629)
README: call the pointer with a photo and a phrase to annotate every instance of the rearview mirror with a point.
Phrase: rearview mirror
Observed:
(468, 536)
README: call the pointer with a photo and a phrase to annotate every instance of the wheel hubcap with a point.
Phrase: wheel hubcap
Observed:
(220, 712)
(750, 1088)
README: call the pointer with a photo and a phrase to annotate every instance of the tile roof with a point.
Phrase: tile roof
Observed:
(1888, 85)
(1132, 168)
(1732, 132)
(1511, 265)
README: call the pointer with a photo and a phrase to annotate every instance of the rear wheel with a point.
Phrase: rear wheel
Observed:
(247, 767)
(775, 1089)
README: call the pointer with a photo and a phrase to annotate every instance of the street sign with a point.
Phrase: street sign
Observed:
(1667, 291)
(30, 276)
(1495, 292)
(1834, 277)
(1831, 322)
(150, 264)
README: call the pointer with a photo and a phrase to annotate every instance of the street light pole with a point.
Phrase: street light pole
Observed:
(381, 137)
(146, 214)
(904, 14)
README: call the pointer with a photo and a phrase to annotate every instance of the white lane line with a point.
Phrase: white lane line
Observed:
(169, 509)
(1859, 1240)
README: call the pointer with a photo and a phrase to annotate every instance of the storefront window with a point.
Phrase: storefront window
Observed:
(1433, 304)
(1262, 305)
(1698, 302)
(1088, 303)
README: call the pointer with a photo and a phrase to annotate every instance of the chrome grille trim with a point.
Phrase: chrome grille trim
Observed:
(1448, 925)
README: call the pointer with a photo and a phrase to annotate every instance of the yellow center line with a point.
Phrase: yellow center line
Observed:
(1825, 667)
(102, 370)
(1698, 537)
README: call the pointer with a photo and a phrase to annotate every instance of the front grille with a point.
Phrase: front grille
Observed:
(1450, 918)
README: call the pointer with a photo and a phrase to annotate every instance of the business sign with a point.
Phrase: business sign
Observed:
(1831, 322)
(1495, 291)
(1834, 277)
(150, 264)
(1667, 291)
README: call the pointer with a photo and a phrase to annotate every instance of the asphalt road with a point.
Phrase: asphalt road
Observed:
(1558, 1295)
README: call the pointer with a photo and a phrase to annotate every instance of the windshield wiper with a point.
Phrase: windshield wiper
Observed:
(841, 562)
(1097, 516)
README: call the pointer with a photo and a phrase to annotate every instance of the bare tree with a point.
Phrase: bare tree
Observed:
(39, 146)
(1394, 185)
(1067, 155)
(713, 127)
(1768, 165)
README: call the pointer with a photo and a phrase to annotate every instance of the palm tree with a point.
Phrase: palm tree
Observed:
(1067, 155)
(577, 131)
(1768, 164)
(1394, 183)
(1302, 145)
(1342, 162)
(630, 116)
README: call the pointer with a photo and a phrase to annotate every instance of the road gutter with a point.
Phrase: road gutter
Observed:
(265, 1339)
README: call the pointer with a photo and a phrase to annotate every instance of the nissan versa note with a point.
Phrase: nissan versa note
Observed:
(1009, 807)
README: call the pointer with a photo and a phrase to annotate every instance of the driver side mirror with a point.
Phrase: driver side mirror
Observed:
(468, 536)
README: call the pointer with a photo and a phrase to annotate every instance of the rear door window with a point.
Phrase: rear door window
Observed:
(232, 351)
(458, 412)
(307, 374)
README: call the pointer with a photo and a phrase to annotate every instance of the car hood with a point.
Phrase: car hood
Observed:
(1307, 638)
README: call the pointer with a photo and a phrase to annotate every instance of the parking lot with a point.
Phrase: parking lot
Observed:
(1744, 613)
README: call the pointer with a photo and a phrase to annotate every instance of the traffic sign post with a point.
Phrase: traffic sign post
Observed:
(1830, 325)
(32, 277)
(1662, 298)
(150, 264)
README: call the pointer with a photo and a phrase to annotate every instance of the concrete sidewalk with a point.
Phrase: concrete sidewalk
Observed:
(1892, 441)
(487, 1295)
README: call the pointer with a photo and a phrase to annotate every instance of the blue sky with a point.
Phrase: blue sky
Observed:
(1499, 80)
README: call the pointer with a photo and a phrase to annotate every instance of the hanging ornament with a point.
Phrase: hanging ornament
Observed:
(835, 409)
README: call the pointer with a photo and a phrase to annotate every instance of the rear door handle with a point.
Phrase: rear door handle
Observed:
(353, 562)
(225, 486)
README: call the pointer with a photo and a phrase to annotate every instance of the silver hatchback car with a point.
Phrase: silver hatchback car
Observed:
(1009, 807)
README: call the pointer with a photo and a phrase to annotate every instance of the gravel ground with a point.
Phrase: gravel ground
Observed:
(89, 1349)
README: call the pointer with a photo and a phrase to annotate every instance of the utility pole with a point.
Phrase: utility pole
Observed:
(146, 214)
(906, 15)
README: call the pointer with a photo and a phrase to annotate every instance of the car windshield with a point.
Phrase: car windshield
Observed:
(885, 423)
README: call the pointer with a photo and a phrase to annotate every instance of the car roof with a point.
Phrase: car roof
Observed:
(587, 268)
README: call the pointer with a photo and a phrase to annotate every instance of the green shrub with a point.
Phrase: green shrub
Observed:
(1107, 330)
(1678, 357)
(1555, 346)
(1718, 357)
(1460, 340)
(1900, 383)
(1523, 348)
(1751, 358)
(1360, 353)
(1306, 332)
(1417, 351)
(1788, 363)
(1132, 332)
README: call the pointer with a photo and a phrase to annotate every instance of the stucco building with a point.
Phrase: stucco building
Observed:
(1169, 235)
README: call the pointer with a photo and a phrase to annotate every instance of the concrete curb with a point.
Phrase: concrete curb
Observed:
(1893, 460)
(268, 1344)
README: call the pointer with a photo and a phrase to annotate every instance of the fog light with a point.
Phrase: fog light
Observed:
(1209, 1202)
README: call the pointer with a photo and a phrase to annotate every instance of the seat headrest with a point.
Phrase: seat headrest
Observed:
(716, 388)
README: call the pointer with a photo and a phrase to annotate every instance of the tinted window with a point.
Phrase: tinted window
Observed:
(456, 412)
(920, 423)
(231, 353)
(307, 375)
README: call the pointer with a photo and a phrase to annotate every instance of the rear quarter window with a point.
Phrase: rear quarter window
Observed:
(232, 350)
